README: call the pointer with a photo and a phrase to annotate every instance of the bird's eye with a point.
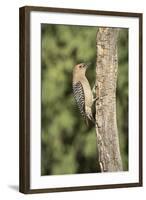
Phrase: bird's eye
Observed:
(80, 66)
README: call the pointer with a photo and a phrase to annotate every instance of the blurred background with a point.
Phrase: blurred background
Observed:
(67, 145)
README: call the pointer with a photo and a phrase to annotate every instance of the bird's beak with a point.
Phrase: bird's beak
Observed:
(87, 65)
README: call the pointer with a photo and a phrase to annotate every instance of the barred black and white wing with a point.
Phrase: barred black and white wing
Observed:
(79, 97)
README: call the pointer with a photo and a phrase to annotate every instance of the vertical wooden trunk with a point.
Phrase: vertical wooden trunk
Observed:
(106, 78)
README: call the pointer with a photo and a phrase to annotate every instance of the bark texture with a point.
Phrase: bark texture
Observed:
(106, 78)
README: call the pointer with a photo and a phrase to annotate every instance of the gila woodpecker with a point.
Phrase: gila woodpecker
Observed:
(82, 92)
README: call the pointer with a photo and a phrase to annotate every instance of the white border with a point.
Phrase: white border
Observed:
(132, 176)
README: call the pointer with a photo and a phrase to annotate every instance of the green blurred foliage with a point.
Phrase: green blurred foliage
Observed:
(67, 144)
(122, 95)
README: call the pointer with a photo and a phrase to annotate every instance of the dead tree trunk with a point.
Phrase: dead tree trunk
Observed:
(106, 78)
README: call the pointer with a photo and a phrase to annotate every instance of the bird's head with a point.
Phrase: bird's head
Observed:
(80, 68)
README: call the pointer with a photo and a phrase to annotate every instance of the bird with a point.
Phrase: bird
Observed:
(82, 92)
